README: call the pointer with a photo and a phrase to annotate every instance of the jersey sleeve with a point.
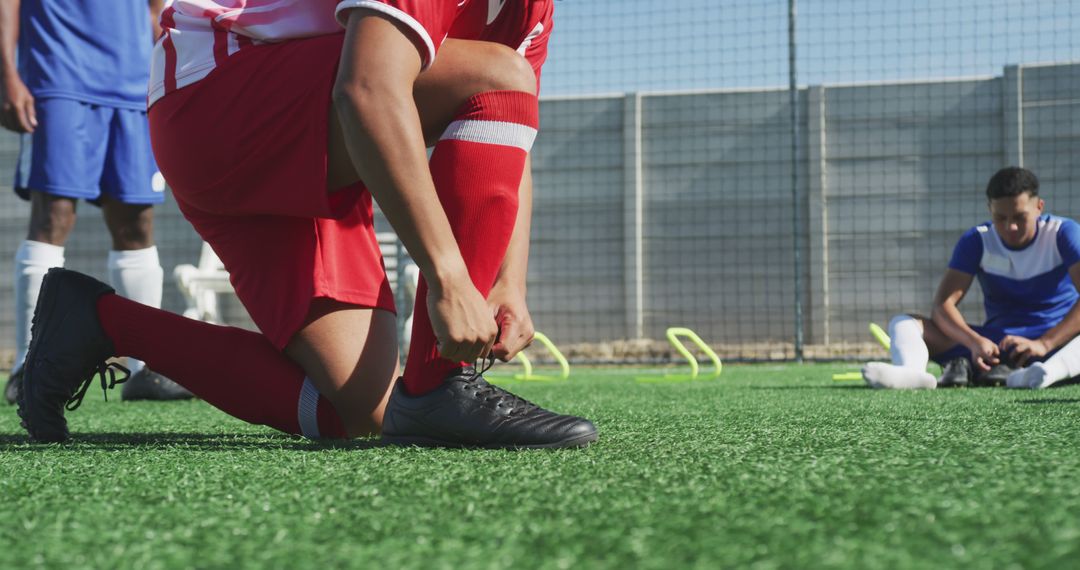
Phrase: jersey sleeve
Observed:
(428, 20)
(967, 255)
(534, 46)
(1068, 242)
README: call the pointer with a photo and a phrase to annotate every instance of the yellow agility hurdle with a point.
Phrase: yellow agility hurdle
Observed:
(883, 339)
(673, 335)
(564, 366)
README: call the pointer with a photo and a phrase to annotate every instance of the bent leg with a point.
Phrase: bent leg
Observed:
(464, 68)
(910, 356)
(476, 167)
(237, 371)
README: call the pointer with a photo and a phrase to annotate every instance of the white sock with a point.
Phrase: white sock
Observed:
(1034, 377)
(32, 260)
(909, 355)
(885, 375)
(137, 275)
(1064, 364)
(908, 347)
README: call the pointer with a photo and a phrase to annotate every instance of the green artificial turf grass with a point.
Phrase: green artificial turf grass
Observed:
(769, 466)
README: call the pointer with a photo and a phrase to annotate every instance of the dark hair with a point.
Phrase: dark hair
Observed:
(1012, 181)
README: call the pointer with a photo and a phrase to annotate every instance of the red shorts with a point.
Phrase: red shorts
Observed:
(244, 151)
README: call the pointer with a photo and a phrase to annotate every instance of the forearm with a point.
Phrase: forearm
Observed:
(155, 17)
(1064, 331)
(385, 141)
(947, 317)
(515, 266)
(9, 37)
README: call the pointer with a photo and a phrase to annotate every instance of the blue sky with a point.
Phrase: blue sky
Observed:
(602, 46)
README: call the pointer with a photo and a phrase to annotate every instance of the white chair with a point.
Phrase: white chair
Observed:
(201, 284)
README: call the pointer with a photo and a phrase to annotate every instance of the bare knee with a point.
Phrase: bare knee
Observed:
(130, 225)
(510, 71)
(52, 218)
(464, 69)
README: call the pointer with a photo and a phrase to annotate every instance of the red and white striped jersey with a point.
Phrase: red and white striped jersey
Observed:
(198, 35)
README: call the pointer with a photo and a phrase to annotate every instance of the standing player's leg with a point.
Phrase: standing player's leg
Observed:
(52, 219)
(911, 337)
(59, 164)
(135, 271)
(128, 194)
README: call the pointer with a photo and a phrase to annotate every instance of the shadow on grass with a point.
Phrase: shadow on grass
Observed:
(814, 387)
(196, 441)
(1051, 401)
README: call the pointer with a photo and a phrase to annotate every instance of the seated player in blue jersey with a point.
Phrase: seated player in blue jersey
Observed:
(77, 94)
(1028, 265)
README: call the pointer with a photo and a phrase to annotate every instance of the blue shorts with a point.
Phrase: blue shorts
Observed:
(80, 150)
(994, 334)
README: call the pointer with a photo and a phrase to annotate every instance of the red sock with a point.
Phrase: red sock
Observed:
(237, 371)
(477, 167)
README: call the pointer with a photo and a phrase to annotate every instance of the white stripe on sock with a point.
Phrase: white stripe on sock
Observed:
(307, 410)
(492, 132)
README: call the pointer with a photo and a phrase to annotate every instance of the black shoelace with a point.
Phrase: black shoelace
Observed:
(103, 370)
(491, 393)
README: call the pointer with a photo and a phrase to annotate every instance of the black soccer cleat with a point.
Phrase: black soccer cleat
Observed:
(67, 348)
(997, 375)
(956, 373)
(467, 411)
(149, 385)
(14, 385)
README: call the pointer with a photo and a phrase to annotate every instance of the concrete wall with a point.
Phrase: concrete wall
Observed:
(891, 175)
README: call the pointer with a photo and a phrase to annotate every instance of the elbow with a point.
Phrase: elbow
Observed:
(348, 98)
(362, 103)
(936, 313)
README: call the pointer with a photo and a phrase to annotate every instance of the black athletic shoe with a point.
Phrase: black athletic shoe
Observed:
(997, 375)
(956, 374)
(14, 384)
(67, 348)
(149, 385)
(466, 411)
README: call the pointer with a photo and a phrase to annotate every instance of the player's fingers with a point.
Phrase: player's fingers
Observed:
(501, 351)
(505, 346)
(485, 350)
(451, 350)
(27, 120)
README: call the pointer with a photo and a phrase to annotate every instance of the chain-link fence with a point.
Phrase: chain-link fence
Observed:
(677, 185)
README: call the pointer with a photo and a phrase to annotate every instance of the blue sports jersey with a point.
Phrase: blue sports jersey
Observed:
(1028, 287)
(90, 51)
